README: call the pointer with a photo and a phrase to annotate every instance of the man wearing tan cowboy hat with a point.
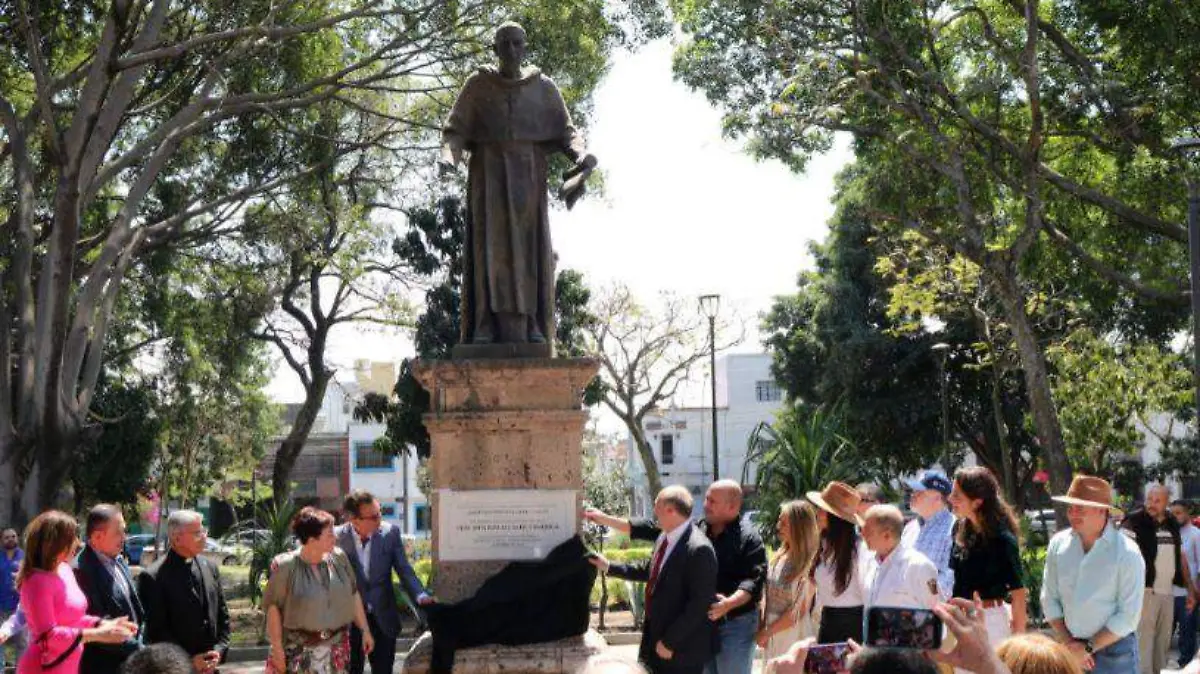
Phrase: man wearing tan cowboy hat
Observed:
(1092, 587)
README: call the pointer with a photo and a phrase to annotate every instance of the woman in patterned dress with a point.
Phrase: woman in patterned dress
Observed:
(311, 599)
(789, 594)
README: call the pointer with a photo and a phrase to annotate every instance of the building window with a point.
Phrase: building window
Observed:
(653, 425)
(668, 449)
(767, 392)
(327, 464)
(366, 457)
(421, 515)
(388, 511)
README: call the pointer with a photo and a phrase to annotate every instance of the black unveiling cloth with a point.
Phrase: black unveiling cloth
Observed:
(524, 603)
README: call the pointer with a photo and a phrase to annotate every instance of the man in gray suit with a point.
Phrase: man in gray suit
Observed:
(376, 549)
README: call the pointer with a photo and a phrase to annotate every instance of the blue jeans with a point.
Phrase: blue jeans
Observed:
(737, 645)
(1185, 621)
(1119, 658)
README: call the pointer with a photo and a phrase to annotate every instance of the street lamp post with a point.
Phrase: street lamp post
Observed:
(709, 304)
(943, 349)
(1186, 147)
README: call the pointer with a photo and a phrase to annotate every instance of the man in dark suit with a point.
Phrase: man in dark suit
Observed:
(182, 592)
(375, 549)
(108, 585)
(681, 585)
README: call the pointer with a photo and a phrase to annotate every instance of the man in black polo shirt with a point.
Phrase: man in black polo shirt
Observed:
(741, 571)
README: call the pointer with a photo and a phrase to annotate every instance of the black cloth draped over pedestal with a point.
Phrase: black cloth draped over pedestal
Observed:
(524, 603)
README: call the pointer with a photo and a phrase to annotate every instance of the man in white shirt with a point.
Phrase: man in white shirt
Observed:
(897, 576)
(1185, 620)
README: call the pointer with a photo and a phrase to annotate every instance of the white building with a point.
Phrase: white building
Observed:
(681, 438)
(393, 480)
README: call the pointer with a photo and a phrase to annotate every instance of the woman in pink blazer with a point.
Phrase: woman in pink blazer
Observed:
(55, 608)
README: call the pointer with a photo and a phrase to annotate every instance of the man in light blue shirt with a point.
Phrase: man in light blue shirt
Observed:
(1092, 589)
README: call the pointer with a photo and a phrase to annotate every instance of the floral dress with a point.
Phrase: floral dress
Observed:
(783, 596)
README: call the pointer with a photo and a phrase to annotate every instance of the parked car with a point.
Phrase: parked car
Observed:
(247, 537)
(134, 545)
(1042, 521)
(217, 553)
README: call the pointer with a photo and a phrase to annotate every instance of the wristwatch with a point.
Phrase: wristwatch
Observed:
(1089, 646)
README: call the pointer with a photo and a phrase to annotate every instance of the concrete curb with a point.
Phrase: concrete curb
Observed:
(259, 653)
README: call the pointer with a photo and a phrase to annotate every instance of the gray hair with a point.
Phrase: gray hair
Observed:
(678, 497)
(181, 518)
(888, 517)
(609, 663)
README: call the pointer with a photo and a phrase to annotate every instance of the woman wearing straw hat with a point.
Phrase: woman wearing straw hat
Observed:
(1092, 585)
(986, 558)
(837, 573)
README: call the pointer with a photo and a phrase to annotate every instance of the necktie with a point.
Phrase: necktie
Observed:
(654, 569)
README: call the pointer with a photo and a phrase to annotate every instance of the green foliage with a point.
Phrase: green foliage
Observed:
(276, 518)
(1033, 567)
(805, 449)
(1106, 388)
(113, 468)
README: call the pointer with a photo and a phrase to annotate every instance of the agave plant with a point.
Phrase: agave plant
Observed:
(802, 451)
(277, 519)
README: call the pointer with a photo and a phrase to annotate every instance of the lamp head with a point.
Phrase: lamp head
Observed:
(710, 304)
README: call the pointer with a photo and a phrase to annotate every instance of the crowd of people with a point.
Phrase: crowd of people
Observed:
(1114, 587)
(1113, 591)
(72, 606)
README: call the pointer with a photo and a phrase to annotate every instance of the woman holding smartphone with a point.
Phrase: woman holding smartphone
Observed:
(986, 558)
(837, 573)
(787, 599)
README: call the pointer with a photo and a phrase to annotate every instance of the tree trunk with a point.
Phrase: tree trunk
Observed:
(653, 478)
(291, 446)
(1005, 449)
(1037, 381)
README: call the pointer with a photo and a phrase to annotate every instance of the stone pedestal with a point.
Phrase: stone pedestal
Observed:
(555, 657)
(504, 424)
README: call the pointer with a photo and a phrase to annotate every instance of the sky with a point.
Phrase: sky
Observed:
(684, 210)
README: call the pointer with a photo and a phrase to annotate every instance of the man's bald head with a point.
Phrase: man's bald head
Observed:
(1157, 498)
(722, 502)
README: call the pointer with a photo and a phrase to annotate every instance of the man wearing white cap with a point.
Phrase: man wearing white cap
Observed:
(1092, 587)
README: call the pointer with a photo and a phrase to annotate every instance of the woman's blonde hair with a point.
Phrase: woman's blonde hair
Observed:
(801, 537)
(1037, 654)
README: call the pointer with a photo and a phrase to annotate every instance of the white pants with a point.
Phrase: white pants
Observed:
(999, 627)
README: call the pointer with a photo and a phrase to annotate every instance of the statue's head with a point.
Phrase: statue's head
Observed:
(509, 45)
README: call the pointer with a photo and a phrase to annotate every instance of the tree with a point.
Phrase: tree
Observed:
(805, 449)
(646, 352)
(849, 340)
(130, 127)
(1014, 129)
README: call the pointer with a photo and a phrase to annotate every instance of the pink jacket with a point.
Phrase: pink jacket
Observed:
(56, 614)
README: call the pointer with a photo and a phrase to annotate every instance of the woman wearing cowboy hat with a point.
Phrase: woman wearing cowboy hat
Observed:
(837, 572)
(1092, 584)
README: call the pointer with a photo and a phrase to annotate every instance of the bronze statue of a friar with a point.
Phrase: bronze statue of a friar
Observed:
(510, 120)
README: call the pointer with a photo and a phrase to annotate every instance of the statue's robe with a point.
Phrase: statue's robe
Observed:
(510, 127)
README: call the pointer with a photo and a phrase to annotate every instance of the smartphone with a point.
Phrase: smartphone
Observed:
(903, 628)
(827, 658)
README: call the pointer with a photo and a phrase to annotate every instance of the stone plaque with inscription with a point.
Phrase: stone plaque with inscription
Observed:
(504, 524)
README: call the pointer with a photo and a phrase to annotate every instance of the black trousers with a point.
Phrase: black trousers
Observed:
(841, 623)
(382, 659)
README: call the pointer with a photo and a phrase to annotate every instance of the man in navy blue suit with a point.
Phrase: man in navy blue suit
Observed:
(375, 549)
